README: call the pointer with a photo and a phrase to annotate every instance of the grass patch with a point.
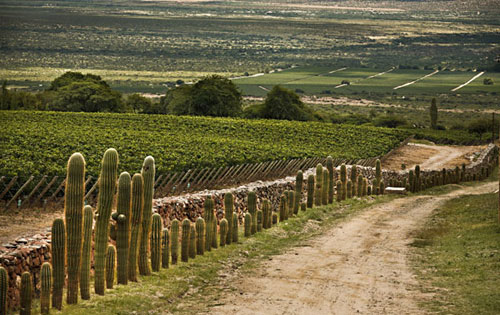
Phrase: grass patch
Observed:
(457, 257)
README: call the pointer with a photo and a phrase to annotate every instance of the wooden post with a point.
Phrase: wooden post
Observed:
(36, 188)
(9, 186)
(19, 191)
(44, 191)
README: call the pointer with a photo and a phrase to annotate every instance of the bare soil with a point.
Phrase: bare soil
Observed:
(360, 266)
(25, 223)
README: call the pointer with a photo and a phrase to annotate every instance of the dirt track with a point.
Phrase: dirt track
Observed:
(360, 266)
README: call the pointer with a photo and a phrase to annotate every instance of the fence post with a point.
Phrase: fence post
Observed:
(19, 191)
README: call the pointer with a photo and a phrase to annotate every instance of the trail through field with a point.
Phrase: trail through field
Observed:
(415, 81)
(369, 77)
(466, 83)
(360, 266)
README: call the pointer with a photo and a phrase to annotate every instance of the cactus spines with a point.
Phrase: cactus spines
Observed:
(248, 224)
(349, 189)
(26, 293)
(359, 191)
(252, 209)
(58, 245)
(339, 191)
(234, 229)
(365, 187)
(165, 248)
(378, 170)
(319, 184)
(156, 228)
(135, 225)
(266, 211)
(283, 206)
(123, 226)
(214, 233)
(228, 214)
(299, 180)
(310, 190)
(200, 236)
(291, 202)
(174, 240)
(331, 175)
(326, 184)
(4, 287)
(192, 242)
(343, 179)
(88, 220)
(46, 284)
(259, 220)
(223, 225)
(73, 214)
(107, 187)
(186, 227)
(110, 266)
(209, 217)
(148, 175)
(354, 173)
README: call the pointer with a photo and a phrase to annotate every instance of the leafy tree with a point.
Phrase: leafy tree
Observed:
(434, 114)
(390, 121)
(285, 104)
(138, 103)
(70, 77)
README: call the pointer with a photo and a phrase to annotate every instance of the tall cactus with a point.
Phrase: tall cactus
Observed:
(107, 187)
(4, 288)
(359, 190)
(343, 179)
(319, 184)
(354, 174)
(58, 245)
(148, 175)
(26, 294)
(349, 189)
(365, 187)
(214, 233)
(174, 240)
(192, 242)
(73, 214)
(186, 229)
(299, 183)
(378, 170)
(165, 250)
(382, 187)
(223, 232)
(46, 284)
(88, 220)
(259, 220)
(200, 236)
(265, 213)
(228, 214)
(252, 209)
(110, 266)
(418, 182)
(123, 226)
(235, 228)
(155, 245)
(248, 224)
(339, 191)
(310, 190)
(135, 225)
(326, 184)
(283, 206)
(291, 202)
(411, 180)
(331, 176)
(209, 217)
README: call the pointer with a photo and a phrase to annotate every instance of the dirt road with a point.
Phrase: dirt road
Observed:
(358, 267)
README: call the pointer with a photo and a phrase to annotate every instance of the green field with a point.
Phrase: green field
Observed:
(39, 143)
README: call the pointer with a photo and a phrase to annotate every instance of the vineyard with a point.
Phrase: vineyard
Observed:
(38, 143)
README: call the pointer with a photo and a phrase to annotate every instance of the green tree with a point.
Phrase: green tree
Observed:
(285, 104)
(138, 103)
(390, 121)
(434, 114)
(85, 96)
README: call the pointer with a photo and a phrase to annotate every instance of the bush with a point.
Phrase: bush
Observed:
(488, 81)
(390, 121)
(285, 104)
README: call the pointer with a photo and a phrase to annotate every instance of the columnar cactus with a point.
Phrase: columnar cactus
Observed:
(310, 190)
(186, 229)
(339, 191)
(46, 284)
(223, 232)
(303, 206)
(331, 178)
(259, 220)
(73, 214)
(200, 236)
(148, 175)
(369, 190)
(266, 212)
(343, 179)
(275, 218)
(299, 179)
(174, 240)
(252, 209)
(283, 206)
(417, 178)
(123, 226)
(326, 184)
(349, 189)
(228, 214)
(88, 220)
(110, 266)
(107, 187)
(248, 224)
(319, 184)
(135, 224)
(378, 170)
(192, 241)
(214, 233)
(155, 245)
(411, 180)
(235, 229)
(359, 191)
(291, 202)
(354, 174)
(26, 293)
(209, 218)
(365, 187)
(382, 187)
(165, 248)
(58, 245)
(4, 288)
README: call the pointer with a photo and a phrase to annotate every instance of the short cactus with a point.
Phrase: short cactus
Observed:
(299, 180)
(107, 187)
(148, 175)
(223, 232)
(46, 284)
(275, 218)
(123, 226)
(4, 288)
(155, 242)
(26, 294)
(359, 190)
(228, 214)
(58, 245)
(303, 206)
(339, 191)
(174, 240)
(248, 224)
(135, 225)
(411, 180)
(319, 183)
(186, 227)
(310, 190)
(349, 189)
(259, 220)
(192, 242)
(165, 248)
(110, 266)
(252, 209)
(88, 220)
(382, 187)
(331, 178)
(365, 187)
(283, 206)
(369, 190)
(418, 181)
(235, 228)
(326, 184)
(200, 236)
